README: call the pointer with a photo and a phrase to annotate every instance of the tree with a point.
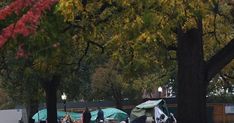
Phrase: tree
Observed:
(47, 47)
(107, 83)
(20, 83)
(29, 14)
(27, 23)
(190, 28)
(44, 51)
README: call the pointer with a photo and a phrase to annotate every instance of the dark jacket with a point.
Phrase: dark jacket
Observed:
(86, 117)
(141, 119)
(100, 115)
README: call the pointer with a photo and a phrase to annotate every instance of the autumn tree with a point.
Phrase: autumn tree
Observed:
(198, 34)
(107, 83)
(28, 16)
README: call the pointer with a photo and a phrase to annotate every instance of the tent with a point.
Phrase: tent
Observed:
(42, 115)
(150, 108)
(110, 113)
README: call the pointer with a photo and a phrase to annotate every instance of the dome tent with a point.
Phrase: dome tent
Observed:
(109, 113)
(42, 115)
(150, 108)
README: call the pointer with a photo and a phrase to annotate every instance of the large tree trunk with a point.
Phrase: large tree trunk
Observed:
(51, 104)
(192, 85)
(51, 98)
(32, 108)
(32, 101)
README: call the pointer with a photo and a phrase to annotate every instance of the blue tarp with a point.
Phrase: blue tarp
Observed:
(109, 113)
(42, 115)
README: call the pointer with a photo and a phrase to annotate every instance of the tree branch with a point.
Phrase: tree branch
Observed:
(220, 60)
(78, 63)
(85, 53)
(171, 47)
(71, 26)
(98, 45)
(228, 76)
(87, 49)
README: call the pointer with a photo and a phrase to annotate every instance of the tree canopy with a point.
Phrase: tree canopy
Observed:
(141, 35)
(145, 34)
(147, 40)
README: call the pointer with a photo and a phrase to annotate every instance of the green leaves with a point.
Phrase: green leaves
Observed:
(137, 34)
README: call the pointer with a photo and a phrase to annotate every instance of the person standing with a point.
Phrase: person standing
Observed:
(86, 116)
(67, 119)
(100, 116)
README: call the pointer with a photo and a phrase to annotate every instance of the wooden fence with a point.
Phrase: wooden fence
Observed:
(216, 113)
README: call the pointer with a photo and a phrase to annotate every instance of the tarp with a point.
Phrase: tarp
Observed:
(158, 115)
(149, 104)
(10, 116)
(109, 113)
(42, 115)
(147, 109)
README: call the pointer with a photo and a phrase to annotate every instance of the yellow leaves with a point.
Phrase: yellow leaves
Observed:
(78, 5)
(40, 64)
(115, 55)
(125, 3)
(189, 24)
(68, 8)
(139, 20)
(229, 68)
(145, 37)
(43, 64)
(106, 13)
(116, 38)
(208, 24)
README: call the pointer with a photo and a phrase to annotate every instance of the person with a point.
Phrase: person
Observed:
(86, 115)
(100, 116)
(67, 119)
(141, 119)
(127, 120)
(172, 118)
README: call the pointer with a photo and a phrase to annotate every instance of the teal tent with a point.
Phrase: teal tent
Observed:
(110, 113)
(42, 115)
(147, 108)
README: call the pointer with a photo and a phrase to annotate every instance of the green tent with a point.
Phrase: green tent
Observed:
(42, 115)
(147, 108)
(110, 113)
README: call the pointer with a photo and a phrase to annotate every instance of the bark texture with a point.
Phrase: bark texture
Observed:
(50, 87)
(191, 93)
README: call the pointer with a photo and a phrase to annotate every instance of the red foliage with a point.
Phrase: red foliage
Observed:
(15, 6)
(27, 24)
(6, 34)
(21, 52)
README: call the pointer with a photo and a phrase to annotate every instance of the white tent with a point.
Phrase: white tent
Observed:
(10, 116)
